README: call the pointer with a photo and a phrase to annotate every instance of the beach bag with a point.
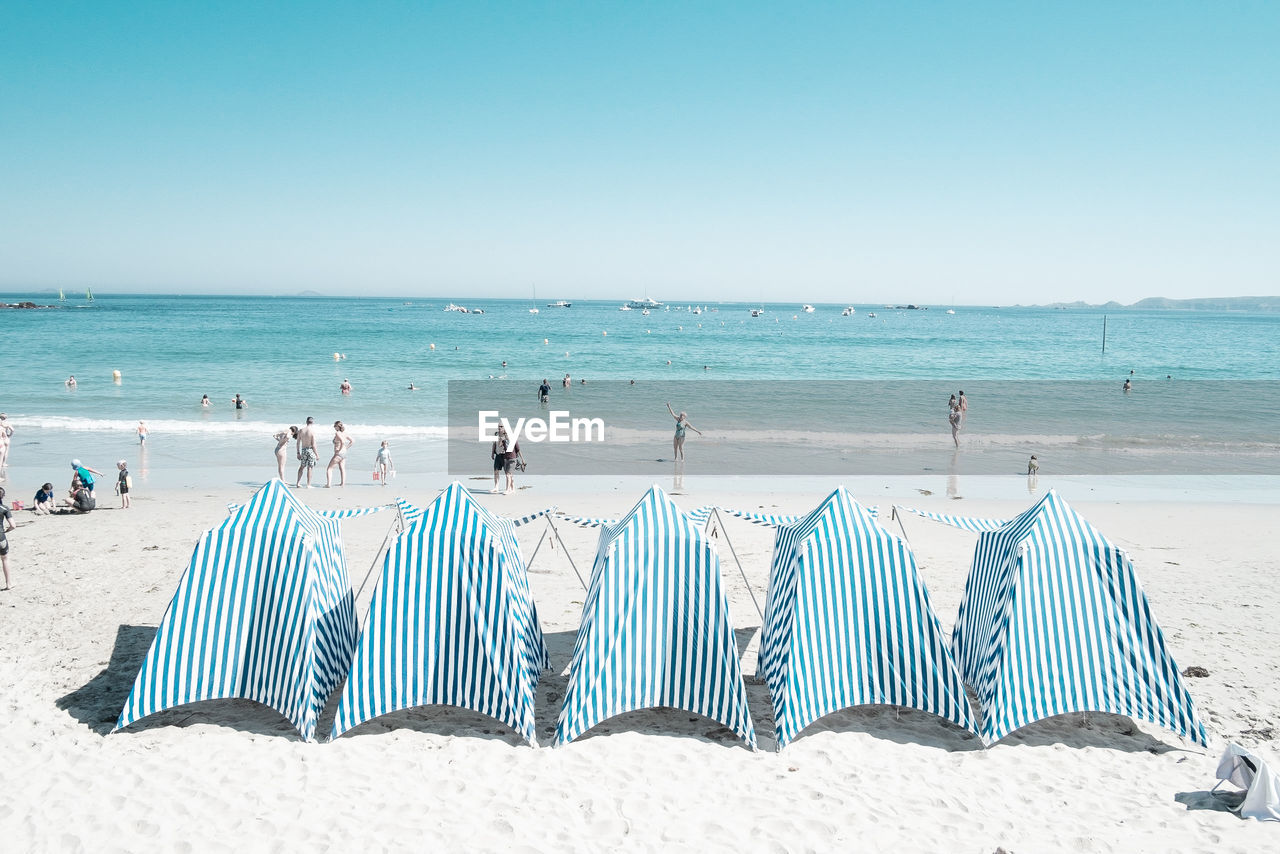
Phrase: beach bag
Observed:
(376, 474)
(1261, 784)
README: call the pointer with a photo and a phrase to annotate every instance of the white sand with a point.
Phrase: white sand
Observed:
(232, 775)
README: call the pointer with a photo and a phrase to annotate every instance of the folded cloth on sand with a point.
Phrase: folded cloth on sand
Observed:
(1261, 784)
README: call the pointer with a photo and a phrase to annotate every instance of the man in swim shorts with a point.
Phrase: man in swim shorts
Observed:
(308, 456)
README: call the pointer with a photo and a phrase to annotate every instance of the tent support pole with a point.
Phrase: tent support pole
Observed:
(898, 516)
(563, 547)
(733, 551)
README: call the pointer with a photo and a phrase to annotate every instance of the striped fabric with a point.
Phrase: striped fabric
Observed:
(452, 621)
(1054, 620)
(655, 627)
(263, 612)
(848, 622)
(976, 525)
(332, 514)
(773, 520)
(586, 521)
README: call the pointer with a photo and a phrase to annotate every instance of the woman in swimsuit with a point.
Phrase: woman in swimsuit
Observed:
(682, 423)
(282, 443)
(341, 444)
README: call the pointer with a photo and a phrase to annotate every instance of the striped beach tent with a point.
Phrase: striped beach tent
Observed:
(452, 621)
(1054, 620)
(264, 612)
(655, 627)
(848, 622)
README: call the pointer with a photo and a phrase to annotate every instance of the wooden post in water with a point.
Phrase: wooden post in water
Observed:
(1104, 334)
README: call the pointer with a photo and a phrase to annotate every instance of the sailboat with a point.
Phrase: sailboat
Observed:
(88, 294)
(61, 296)
(533, 308)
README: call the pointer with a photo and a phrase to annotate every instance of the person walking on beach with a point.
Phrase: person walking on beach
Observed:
(341, 444)
(123, 483)
(308, 456)
(963, 403)
(382, 464)
(499, 453)
(682, 424)
(142, 433)
(544, 391)
(6, 525)
(282, 442)
(953, 417)
(6, 436)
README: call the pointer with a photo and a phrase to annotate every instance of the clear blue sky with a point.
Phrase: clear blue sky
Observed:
(975, 152)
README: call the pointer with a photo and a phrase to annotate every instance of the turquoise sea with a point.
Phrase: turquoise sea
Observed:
(1204, 382)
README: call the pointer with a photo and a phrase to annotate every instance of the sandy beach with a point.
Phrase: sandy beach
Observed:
(231, 775)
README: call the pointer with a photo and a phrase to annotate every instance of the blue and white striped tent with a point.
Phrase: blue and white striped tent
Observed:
(1054, 620)
(452, 622)
(848, 622)
(264, 612)
(655, 627)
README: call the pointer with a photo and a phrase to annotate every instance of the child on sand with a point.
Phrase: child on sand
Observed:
(45, 502)
(383, 467)
(123, 482)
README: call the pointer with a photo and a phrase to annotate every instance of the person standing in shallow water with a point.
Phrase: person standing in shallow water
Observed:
(682, 424)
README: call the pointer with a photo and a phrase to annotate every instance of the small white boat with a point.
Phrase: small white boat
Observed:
(533, 311)
(757, 312)
(951, 311)
(559, 304)
(807, 309)
(850, 311)
(871, 314)
(645, 312)
(625, 308)
(462, 309)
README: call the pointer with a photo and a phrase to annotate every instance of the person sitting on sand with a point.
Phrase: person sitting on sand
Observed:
(80, 499)
(45, 499)
(682, 424)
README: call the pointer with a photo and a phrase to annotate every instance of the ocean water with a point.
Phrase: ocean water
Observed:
(1204, 400)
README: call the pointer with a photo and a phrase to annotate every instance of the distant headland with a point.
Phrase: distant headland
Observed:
(1200, 304)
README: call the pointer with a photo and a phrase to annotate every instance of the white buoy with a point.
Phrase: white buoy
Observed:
(433, 346)
(115, 377)
(546, 341)
(604, 333)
